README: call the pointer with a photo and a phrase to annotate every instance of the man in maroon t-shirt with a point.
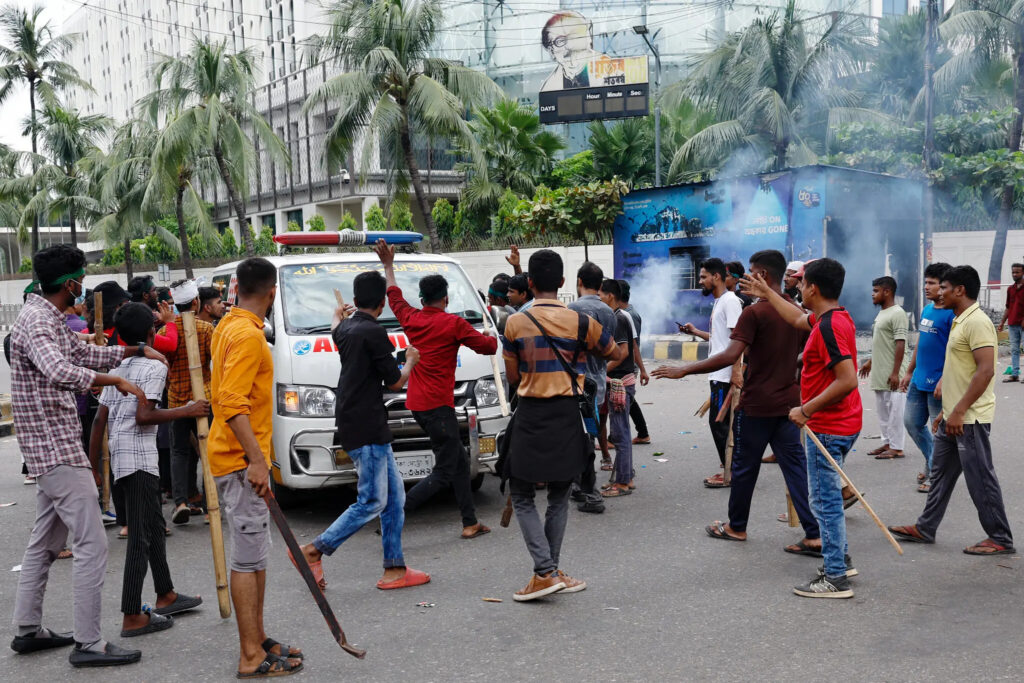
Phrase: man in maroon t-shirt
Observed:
(830, 407)
(431, 393)
(1013, 315)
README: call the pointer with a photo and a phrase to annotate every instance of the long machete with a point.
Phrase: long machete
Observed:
(307, 575)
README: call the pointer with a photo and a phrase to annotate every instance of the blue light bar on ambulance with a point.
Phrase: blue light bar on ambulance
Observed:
(346, 238)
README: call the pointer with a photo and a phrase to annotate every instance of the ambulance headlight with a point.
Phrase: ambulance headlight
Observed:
(486, 392)
(305, 401)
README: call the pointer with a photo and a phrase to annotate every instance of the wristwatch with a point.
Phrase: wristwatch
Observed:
(142, 348)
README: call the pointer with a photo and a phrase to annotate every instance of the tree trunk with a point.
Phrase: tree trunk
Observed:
(128, 259)
(236, 202)
(71, 222)
(995, 264)
(32, 115)
(179, 213)
(417, 186)
(586, 248)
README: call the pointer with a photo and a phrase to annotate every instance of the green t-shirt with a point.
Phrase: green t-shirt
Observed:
(890, 327)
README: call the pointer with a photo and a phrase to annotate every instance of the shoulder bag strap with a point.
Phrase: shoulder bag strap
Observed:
(574, 378)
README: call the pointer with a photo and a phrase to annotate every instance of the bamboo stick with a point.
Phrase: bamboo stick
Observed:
(195, 368)
(496, 368)
(101, 340)
(853, 488)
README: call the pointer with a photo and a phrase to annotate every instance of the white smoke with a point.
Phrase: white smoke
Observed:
(652, 292)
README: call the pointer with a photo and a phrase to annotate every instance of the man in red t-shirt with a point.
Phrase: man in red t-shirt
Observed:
(1013, 315)
(431, 393)
(829, 406)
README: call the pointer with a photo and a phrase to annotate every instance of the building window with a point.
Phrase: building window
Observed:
(269, 221)
(295, 216)
(891, 7)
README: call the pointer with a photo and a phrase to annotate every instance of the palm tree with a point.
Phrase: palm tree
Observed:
(391, 90)
(207, 90)
(626, 151)
(61, 190)
(679, 124)
(32, 57)
(775, 90)
(516, 149)
(988, 31)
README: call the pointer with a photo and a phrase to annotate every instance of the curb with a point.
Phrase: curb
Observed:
(661, 349)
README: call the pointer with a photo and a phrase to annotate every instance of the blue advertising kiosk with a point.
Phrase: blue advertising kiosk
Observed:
(871, 223)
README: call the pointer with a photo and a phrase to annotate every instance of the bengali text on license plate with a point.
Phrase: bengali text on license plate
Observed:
(418, 466)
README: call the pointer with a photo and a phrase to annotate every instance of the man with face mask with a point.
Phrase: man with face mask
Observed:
(724, 316)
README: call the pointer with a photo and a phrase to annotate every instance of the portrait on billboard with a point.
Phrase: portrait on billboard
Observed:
(568, 37)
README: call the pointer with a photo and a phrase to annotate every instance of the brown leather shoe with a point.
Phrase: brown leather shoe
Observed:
(769, 458)
(540, 586)
(571, 585)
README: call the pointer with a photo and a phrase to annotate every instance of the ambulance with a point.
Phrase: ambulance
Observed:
(306, 448)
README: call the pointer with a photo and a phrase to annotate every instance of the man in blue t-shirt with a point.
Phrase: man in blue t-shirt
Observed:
(925, 372)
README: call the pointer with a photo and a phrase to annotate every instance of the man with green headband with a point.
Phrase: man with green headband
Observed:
(49, 365)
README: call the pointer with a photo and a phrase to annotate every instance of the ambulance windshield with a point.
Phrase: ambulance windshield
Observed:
(308, 291)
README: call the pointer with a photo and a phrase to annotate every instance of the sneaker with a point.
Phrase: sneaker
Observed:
(181, 514)
(825, 587)
(109, 518)
(851, 571)
(29, 481)
(571, 585)
(540, 586)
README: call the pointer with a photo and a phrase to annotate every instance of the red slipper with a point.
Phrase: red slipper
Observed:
(413, 577)
(316, 567)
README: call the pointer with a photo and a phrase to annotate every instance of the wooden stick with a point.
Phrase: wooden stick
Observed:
(496, 368)
(339, 298)
(195, 368)
(704, 408)
(828, 456)
(733, 402)
(791, 517)
(100, 340)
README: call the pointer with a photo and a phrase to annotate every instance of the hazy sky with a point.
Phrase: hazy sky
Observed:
(15, 109)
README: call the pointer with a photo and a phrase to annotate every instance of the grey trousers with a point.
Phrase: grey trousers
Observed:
(65, 502)
(544, 541)
(972, 455)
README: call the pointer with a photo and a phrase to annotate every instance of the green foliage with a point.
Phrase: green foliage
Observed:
(443, 214)
(504, 223)
(26, 265)
(228, 245)
(198, 247)
(574, 170)
(375, 219)
(581, 213)
(348, 222)
(400, 215)
(316, 223)
(113, 256)
(265, 245)
(626, 151)
(293, 227)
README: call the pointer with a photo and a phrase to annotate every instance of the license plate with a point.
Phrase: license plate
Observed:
(415, 467)
(487, 444)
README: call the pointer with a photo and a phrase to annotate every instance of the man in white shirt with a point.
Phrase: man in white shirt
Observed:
(724, 315)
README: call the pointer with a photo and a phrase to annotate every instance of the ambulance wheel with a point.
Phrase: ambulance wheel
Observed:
(477, 482)
(286, 497)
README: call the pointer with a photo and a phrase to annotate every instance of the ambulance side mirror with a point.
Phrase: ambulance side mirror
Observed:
(268, 331)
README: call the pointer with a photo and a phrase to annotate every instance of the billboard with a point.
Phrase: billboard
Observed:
(585, 84)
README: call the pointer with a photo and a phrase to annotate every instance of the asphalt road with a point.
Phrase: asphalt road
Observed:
(664, 601)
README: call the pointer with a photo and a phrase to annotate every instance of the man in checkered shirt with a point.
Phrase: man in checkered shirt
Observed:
(49, 365)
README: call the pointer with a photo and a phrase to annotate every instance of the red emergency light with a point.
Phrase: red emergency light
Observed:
(346, 238)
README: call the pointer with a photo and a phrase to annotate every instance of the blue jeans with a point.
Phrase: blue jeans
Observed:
(1015, 349)
(922, 409)
(380, 492)
(825, 488)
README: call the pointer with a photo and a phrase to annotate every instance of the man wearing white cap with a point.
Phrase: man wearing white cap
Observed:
(184, 459)
(794, 273)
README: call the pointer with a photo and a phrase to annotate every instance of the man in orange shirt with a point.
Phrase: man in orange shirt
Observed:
(239, 453)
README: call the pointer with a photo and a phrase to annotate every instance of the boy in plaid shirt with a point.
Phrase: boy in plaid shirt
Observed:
(134, 463)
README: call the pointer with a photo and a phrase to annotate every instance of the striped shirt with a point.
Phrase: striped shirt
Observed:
(133, 446)
(543, 376)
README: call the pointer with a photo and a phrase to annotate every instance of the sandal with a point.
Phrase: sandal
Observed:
(284, 651)
(64, 555)
(716, 482)
(850, 501)
(479, 531)
(989, 547)
(606, 465)
(881, 449)
(801, 548)
(717, 530)
(156, 623)
(910, 534)
(890, 455)
(921, 476)
(641, 440)
(412, 577)
(272, 666)
(924, 487)
(182, 603)
(316, 567)
(616, 492)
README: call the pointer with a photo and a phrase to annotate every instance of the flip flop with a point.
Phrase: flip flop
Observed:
(606, 466)
(182, 603)
(879, 450)
(480, 531)
(803, 549)
(996, 548)
(716, 482)
(271, 667)
(851, 501)
(717, 530)
(616, 492)
(910, 534)
(889, 455)
(640, 441)
(413, 577)
(316, 567)
(65, 555)
(286, 651)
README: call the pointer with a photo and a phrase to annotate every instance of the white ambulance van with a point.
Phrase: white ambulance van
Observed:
(306, 448)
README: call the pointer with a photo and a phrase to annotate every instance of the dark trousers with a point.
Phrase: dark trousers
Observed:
(117, 500)
(639, 421)
(719, 430)
(543, 540)
(972, 455)
(451, 463)
(146, 546)
(752, 435)
(184, 460)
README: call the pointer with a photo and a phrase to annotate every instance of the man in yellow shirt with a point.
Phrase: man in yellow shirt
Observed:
(962, 430)
(239, 452)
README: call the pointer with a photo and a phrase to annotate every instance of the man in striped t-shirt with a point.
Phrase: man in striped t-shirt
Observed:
(548, 442)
